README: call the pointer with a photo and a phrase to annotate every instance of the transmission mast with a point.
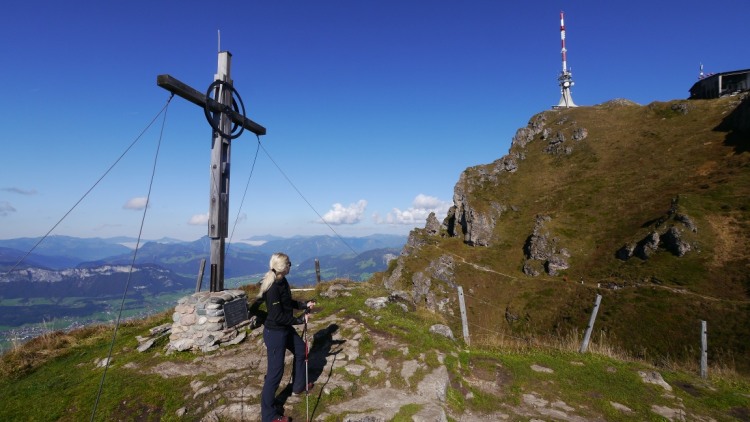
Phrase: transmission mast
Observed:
(566, 77)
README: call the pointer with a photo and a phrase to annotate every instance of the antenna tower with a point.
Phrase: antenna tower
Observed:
(566, 77)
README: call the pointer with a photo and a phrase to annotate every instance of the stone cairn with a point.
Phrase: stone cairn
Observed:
(199, 322)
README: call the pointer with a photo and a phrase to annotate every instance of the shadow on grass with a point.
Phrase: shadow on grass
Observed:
(323, 342)
(737, 126)
(317, 360)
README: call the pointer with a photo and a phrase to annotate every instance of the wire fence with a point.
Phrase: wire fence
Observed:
(490, 331)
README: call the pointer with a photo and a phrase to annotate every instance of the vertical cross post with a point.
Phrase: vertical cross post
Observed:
(218, 211)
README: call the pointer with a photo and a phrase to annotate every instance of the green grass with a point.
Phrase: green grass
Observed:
(406, 412)
(60, 368)
(69, 382)
(593, 381)
(587, 380)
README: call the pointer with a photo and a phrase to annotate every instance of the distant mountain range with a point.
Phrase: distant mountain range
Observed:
(245, 257)
(62, 267)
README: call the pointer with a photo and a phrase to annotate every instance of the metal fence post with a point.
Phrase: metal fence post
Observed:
(464, 320)
(704, 350)
(587, 336)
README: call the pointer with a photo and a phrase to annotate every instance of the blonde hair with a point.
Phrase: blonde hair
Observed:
(278, 263)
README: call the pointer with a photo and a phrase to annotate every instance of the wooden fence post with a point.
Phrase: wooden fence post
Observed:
(200, 276)
(464, 320)
(704, 350)
(317, 269)
(587, 336)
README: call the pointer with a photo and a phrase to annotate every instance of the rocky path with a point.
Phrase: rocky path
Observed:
(363, 374)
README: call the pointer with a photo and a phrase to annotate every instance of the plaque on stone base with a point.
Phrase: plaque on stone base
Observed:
(235, 312)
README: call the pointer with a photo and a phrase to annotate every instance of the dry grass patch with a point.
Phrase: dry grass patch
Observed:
(34, 353)
(731, 241)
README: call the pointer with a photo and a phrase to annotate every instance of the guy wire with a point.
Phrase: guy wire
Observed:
(242, 202)
(132, 263)
(90, 189)
(305, 199)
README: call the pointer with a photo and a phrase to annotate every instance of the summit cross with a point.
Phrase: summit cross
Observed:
(226, 115)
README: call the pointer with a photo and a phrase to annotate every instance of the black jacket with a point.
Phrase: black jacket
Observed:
(281, 306)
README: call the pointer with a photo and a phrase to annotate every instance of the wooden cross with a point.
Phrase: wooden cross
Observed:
(224, 116)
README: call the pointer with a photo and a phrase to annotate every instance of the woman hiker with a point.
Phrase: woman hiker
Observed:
(280, 335)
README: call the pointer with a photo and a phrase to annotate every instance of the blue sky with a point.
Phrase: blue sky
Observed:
(373, 108)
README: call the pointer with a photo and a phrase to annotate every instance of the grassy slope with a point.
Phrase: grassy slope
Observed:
(609, 191)
(57, 371)
(62, 376)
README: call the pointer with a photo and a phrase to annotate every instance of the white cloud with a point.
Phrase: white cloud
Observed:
(198, 219)
(417, 214)
(20, 191)
(345, 215)
(137, 203)
(423, 201)
(6, 208)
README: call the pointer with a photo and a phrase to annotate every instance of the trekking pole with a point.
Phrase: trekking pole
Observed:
(307, 383)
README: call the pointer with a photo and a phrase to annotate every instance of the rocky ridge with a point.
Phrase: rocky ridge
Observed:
(631, 202)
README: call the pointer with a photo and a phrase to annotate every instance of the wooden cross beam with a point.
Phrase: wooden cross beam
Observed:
(222, 119)
(183, 90)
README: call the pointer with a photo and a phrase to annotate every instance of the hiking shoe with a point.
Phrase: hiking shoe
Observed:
(281, 419)
(309, 387)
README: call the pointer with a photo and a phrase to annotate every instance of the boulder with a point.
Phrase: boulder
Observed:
(680, 108)
(580, 133)
(376, 302)
(674, 243)
(443, 330)
(647, 246)
(556, 263)
(626, 252)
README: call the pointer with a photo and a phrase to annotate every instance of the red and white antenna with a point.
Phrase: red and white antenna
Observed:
(562, 40)
(566, 77)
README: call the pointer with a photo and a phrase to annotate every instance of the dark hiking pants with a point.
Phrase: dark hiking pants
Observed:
(277, 343)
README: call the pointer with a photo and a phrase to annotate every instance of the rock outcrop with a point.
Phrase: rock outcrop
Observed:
(434, 287)
(475, 224)
(543, 252)
(671, 232)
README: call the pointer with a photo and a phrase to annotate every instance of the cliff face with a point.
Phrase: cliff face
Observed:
(616, 199)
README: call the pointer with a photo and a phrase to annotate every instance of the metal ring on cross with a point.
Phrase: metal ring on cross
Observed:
(239, 109)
